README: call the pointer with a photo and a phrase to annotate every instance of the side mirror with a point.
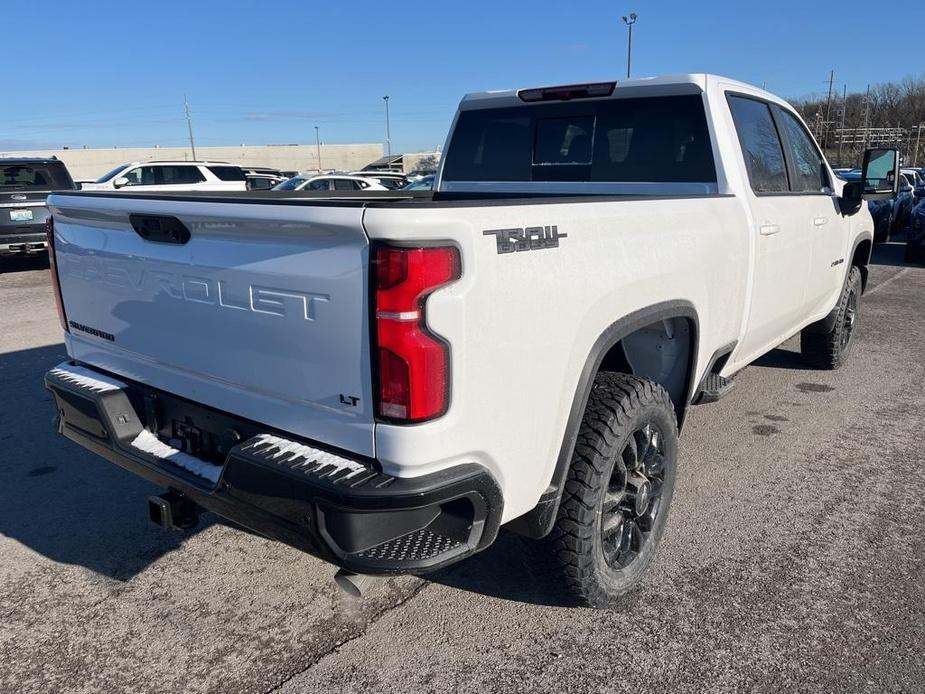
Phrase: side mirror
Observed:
(852, 196)
(120, 182)
(880, 174)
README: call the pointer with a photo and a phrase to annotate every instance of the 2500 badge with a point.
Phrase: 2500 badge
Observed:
(526, 238)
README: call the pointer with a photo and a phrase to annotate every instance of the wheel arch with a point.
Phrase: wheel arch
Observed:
(860, 257)
(608, 354)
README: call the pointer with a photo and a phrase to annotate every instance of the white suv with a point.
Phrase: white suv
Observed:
(172, 176)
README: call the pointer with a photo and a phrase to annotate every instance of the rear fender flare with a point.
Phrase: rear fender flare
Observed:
(538, 521)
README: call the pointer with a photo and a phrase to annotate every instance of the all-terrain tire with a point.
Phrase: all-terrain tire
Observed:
(828, 350)
(627, 420)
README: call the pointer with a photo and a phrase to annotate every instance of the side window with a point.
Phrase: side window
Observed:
(344, 184)
(764, 157)
(142, 176)
(808, 166)
(318, 185)
(175, 175)
(228, 173)
(133, 176)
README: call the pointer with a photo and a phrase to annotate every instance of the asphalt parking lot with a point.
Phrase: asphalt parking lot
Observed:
(794, 558)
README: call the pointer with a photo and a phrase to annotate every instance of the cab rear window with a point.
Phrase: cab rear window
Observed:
(644, 140)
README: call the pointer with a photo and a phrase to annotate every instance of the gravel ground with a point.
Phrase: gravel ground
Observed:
(793, 558)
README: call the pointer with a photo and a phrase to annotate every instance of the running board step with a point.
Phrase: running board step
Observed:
(714, 387)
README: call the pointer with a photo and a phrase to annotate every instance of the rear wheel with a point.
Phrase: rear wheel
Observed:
(617, 493)
(828, 350)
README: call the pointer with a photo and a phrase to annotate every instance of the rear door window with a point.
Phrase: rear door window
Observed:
(228, 173)
(345, 184)
(761, 145)
(177, 175)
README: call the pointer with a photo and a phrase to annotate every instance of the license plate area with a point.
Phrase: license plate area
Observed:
(188, 427)
(21, 215)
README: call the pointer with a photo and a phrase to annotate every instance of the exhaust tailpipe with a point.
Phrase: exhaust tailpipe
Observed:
(353, 584)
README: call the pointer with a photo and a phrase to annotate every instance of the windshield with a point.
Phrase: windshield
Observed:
(291, 184)
(426, 183)
(112, 174)
(39, 176)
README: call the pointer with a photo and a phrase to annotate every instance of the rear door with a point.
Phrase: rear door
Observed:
(783, 244)
(262, 313)
(813, 193)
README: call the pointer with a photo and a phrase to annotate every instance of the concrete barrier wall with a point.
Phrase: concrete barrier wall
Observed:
(93, 163)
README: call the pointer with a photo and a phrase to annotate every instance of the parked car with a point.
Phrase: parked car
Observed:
(263, 171)
(176, 176)
(905, 201)
(422, 183)
(257, 181)
(384, 383)
(389, 179)
(342, 182)
(917, 181)
(890, 214)
(915, 235)
(24, 186)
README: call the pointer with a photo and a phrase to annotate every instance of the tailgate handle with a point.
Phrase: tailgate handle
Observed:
(155, 227)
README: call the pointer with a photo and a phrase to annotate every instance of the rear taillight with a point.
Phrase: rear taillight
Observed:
(55, 283)
(413, 363)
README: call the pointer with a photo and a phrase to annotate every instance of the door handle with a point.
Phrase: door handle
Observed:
(819, 221)
(768, 229)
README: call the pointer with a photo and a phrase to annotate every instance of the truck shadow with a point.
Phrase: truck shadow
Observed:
(890, 253)
(24, 263)
(58, 499)
(782, 358)
(498, 572)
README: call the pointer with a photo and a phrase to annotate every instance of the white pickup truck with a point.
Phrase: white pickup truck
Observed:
(385, 379)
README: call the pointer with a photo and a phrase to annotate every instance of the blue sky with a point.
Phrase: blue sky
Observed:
(108, 73)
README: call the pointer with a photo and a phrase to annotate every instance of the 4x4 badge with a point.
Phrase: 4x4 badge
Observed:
(526, 239)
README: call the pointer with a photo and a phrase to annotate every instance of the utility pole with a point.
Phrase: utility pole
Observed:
(828, 111)
(318, 145)
(866, 118)
(844, 115)
(629, 21)
(388, 131)
(189, 125)
(918, 139)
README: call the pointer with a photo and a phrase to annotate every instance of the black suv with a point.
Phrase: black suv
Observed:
(24, 185)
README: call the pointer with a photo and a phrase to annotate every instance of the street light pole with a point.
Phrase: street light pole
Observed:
(318, 145)
(629, 21)
(388, 132)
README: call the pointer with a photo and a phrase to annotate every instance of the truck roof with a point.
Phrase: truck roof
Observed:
(638, 86)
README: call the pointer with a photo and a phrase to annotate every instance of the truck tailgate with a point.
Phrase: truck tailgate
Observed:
(262, 313)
